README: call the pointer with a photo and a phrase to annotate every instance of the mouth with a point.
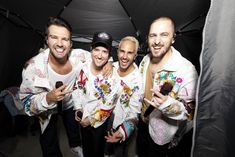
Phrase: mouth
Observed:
(98, 60)
(157, 48)
(124, 62)
(59, 50)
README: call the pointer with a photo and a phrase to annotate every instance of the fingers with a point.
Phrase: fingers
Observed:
(156, 93)
(151, 103)
(64, 92)
(107, 70)
(107, 74)
(159, 97)
(61, 88)
(77, 118)
(112, 136)
(85, 122)
(148, 101)
(61, 92)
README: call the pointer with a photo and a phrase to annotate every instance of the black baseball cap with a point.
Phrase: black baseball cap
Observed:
(103, 39)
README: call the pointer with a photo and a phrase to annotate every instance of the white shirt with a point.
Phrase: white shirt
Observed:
(68, 80)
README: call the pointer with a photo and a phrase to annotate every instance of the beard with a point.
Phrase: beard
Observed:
(159, 54)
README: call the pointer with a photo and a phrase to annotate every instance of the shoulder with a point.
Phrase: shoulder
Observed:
(181, 62)
(136, 73)
(116, 65)
(79, 56)
(144, 63)
(38, 59)
(145, 59)
(78, 53)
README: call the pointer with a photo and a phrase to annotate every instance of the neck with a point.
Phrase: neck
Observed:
(57, 62)
(60, 66)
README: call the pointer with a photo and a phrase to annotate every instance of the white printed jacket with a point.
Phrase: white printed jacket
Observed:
(35, 84)
(183, 75)
(129, 103)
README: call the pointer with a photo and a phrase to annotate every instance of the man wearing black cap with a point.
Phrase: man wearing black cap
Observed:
(95, 96)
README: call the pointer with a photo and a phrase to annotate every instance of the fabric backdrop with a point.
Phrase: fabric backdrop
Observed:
(215, 127)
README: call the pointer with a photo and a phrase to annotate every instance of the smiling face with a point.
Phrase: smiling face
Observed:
(58, 41)
(100, 56)
(126, 55)
(160, 37)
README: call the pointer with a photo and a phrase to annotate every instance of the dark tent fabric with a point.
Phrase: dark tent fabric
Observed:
(24, 21)
(18, 44)
(214, 126)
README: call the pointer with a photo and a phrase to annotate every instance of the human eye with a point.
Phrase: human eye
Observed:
(120, 51)
(130, 52)
(52, 36)
(165, 34)
(66, 39)
(106, 52)
(152, 35)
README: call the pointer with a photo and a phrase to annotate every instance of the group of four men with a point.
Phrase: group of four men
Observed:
(107, 99)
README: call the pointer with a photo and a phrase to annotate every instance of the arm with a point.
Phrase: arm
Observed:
(33, 90)
(79, 92)
(130, 107)
(178, 105)
(107, 69)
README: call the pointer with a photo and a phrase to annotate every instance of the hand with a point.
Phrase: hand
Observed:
(113, 137)
(77, 115)
(157, 100)
(107, 70)
(57, 94)
(85, 122)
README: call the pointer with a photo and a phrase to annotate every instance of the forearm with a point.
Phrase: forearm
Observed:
(126, 129)
(181, 106)
(36, 104)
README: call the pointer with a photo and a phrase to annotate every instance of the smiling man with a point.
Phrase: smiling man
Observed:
(95, 96)
(164, 67)
(130, 102)
(41, 97)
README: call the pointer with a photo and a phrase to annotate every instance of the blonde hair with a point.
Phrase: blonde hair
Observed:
(132, 39)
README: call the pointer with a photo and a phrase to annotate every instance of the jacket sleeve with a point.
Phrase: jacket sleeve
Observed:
(79, 93)
(181, 106)
(131, 108)
(34, 97)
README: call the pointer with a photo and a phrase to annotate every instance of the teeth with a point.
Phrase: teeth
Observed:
(124, 62)
(156, 47)
(59, 50)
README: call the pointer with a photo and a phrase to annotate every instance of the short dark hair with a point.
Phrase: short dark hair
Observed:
(164, 18)
(58, 21)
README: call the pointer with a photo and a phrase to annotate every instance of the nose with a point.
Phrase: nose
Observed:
(59, 42)
(99, 54)
(157, 40)
(124, 55)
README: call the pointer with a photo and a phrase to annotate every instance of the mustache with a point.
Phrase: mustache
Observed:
(159, 45)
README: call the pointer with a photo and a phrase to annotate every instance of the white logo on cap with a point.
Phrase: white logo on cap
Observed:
(103, 35)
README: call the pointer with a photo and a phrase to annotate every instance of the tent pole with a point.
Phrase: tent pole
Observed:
(65, 6)
(180, 31)
(27, 24)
